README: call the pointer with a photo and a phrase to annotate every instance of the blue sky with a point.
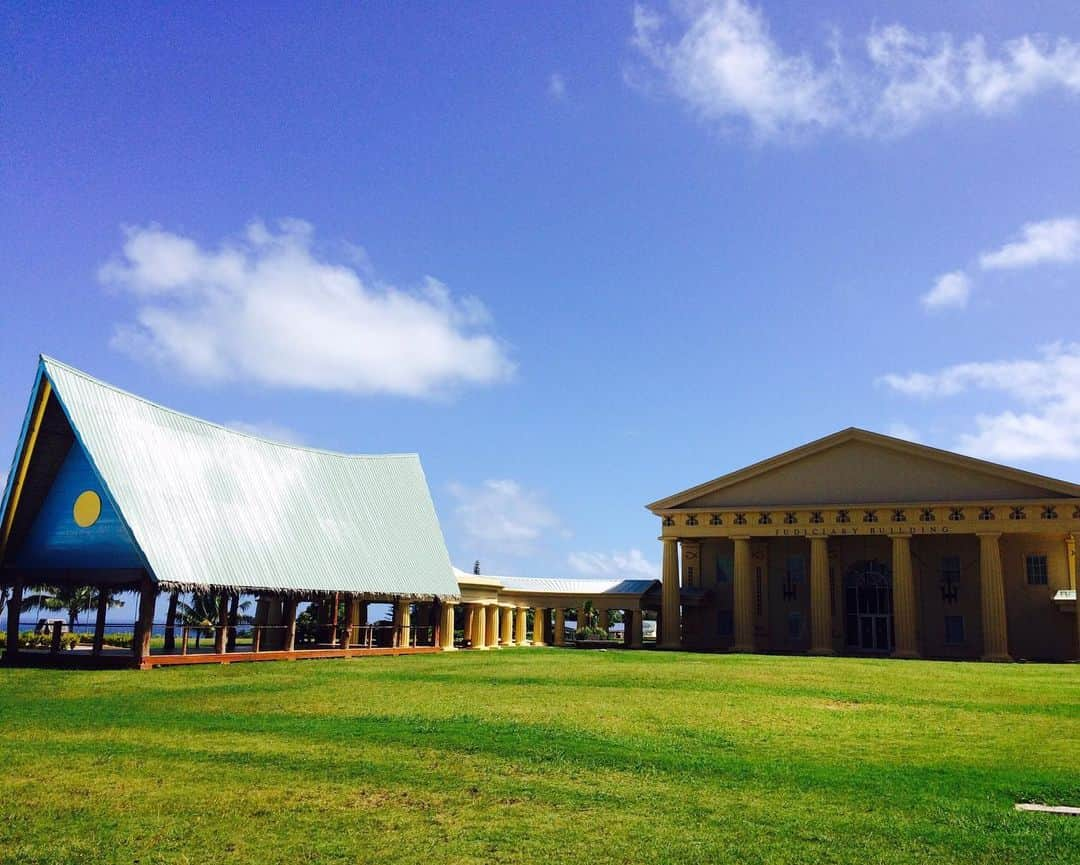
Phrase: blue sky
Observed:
(578, 256)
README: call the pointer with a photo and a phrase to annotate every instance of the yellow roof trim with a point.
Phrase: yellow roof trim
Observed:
(24, 461)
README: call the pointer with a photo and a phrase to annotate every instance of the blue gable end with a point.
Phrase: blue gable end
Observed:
(56, 541)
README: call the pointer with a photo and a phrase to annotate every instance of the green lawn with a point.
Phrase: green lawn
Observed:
(542, 755)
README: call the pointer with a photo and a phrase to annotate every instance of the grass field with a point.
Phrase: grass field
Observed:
(541, 755)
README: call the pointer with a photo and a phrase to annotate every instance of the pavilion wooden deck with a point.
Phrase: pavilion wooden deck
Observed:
(122, 660)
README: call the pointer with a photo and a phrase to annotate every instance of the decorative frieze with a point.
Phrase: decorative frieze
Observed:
(884, 519)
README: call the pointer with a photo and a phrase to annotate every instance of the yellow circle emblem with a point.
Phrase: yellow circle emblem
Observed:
(87, 509)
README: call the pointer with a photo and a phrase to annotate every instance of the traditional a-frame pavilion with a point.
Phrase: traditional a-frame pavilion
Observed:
(108, 490)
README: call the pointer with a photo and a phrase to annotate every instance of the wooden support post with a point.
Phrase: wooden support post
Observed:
(14, 610)
(559, 637)
(402, 623)
(54, 644)
(185, 634)
(170, 623)
(234, 620)
(347, 631)
(289, 616)
(633, 623)
(256, 638)
(436, 615)
(98, 645)
(145, 625)
(222, 629)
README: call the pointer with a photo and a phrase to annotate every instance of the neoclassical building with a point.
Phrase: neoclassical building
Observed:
(859, 543)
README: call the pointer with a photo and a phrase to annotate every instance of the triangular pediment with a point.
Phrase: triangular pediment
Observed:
(855, 466)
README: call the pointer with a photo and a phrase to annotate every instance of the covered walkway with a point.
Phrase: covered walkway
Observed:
(498, 611)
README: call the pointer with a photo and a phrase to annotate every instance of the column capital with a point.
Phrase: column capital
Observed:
(988, 534)
(741, 537)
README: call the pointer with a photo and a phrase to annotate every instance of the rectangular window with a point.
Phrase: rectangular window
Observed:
(794, 626)
(950, 579)
(796, 569)
(723, 569)
(950, 569)
(954, 630)
(1035, 565)
(726, 623)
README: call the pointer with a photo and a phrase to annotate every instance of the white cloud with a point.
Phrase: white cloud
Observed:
(628, 565)
(901, 430)
(556, 87)
(266, 308)
(501, 516)
(1052, 240)
(267, 430)
(950, 290)
(719, 57)
(1046, 421)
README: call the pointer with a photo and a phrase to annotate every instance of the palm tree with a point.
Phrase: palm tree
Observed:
(72, 599)
(204, 611)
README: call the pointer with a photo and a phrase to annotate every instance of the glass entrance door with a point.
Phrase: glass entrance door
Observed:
(868, 607)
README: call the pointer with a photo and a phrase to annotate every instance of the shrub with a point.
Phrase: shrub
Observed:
(590, 632)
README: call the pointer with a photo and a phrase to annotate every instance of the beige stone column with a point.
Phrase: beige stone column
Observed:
(468, 622)
(507, 631)
(1070, 561)
(992, 587)
(1074, 583)
(492, 628)
(671, 630)
(605, 620)
(559, 637)
(821, 642)
(479, 630)
(521, 627)
(446, 627)
(540, 617)
(905, 621)
(744, 597)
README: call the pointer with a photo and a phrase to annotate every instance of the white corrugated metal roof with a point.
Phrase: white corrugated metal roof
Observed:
(563, 586)
(212, 506)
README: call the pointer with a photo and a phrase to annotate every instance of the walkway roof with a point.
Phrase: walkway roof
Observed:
(586, 588)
